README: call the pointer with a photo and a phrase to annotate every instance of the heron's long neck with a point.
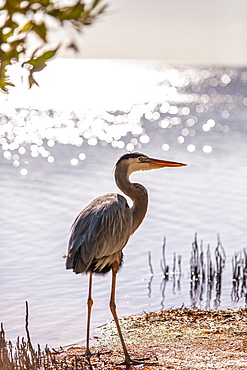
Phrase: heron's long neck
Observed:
(136, 192)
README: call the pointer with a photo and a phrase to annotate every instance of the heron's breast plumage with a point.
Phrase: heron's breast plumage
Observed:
(99, 234)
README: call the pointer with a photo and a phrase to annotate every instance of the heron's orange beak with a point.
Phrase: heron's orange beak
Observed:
(159, 163)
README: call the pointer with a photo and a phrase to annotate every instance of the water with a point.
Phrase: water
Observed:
(59, 146)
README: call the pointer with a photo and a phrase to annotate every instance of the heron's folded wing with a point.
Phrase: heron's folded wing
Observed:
(101, 229)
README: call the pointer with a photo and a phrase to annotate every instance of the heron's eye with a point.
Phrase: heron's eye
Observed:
(142, 159)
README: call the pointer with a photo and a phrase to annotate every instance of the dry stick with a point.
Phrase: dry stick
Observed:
(179, 272)
(236, 273)
(239, 276)
(220, 258)
(165, 269)
(150, 264)
(151, 275)
(4, 355)
(197, 272)
(174, 273)
(29, 343)
(210, 278)
(244, 276)
(163, 266)
(194, 273)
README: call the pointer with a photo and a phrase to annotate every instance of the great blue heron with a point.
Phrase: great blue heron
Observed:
(102, 229)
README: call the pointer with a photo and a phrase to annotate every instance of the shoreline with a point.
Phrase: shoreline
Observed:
(175, 339)
(179, 339)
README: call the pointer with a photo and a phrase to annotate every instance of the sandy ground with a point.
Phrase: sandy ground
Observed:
(173, 339)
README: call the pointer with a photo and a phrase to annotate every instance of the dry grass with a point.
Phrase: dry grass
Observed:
(186, 339)
(181, 339)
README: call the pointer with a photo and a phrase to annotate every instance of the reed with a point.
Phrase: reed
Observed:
(206, 274)
(163, 265)
(23, 356)
(197, 273)
(239, 276)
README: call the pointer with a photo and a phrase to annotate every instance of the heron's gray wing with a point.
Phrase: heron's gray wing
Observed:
(100, 230)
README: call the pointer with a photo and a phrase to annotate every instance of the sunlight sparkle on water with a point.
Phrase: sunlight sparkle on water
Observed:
(165, 147)
(16, 163)
(180, 139)
(50, 159)
(74, 161)
(191, 148)
(207, 149)
(82, 156)
(185, 132)
(225, 114)
(144, 139)
(140, 95)
(23, 172)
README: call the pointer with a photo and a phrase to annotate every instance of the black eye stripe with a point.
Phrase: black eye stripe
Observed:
(130, 155)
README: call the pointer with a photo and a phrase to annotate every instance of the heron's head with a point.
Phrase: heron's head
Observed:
(141, 162)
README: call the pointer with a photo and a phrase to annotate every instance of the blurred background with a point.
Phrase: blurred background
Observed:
(201, 32)
(165, 78)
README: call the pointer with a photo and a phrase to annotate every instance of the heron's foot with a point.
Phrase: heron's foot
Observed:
(136, 361)
(88, 353)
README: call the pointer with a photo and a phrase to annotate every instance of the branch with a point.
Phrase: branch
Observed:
(22, 19)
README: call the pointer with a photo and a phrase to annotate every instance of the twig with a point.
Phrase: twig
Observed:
(30, 347)
(150, 264)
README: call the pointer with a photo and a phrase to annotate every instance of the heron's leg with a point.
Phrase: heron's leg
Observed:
(128, 360)
(89, 306)
(115, 267)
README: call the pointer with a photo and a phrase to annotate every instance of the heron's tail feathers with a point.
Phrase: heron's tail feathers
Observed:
(78, 257)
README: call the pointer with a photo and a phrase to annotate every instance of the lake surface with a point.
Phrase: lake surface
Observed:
(59, 147)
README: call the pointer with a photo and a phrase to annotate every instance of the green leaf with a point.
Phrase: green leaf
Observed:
(14, 47)
(48, 55)
(39, 63)
(9, 23)
(27, 27)
(15, 34)
(95, 3)
(32, 80)
(38, 66)
(74, 12)
(4, 78)
(69, 12)
(40, 30)
(7, 35)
